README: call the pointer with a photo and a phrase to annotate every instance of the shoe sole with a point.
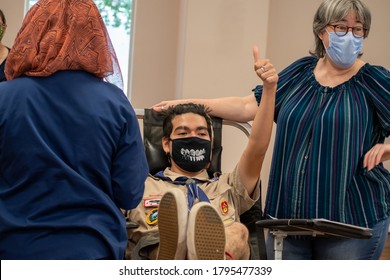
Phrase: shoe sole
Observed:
(206, 240)
(171, 214)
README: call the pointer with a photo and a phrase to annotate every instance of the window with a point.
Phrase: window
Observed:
(117, 14)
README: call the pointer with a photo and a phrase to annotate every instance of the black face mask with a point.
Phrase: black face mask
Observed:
(191, 154)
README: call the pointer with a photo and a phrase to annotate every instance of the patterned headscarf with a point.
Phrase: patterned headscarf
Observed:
(63, 35)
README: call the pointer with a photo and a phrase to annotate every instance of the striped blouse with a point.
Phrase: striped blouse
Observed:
(321, 138)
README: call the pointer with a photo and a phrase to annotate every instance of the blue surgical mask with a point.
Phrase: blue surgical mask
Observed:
(343, 50)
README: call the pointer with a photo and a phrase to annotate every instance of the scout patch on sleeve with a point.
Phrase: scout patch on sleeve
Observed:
(151, 202)
(224, 205)
(152, 217)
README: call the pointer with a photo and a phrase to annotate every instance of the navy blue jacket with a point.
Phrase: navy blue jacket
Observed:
(71, 155)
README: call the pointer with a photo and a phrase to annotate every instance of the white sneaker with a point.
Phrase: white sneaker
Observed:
(172, 225)
(205, 234)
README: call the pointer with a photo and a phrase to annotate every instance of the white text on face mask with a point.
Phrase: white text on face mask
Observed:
(193, 155)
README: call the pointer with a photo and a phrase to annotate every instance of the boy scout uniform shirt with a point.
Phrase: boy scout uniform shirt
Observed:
(227, 195)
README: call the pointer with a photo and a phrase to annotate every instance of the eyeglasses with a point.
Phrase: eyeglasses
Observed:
(342, 30)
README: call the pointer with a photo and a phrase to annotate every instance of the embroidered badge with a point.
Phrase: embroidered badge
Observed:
(151, 202)
(224, 206)
(152, 216)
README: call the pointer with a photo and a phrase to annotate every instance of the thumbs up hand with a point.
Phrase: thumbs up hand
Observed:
(265, 70)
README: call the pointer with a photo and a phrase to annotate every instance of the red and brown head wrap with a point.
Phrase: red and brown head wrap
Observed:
(63, 35)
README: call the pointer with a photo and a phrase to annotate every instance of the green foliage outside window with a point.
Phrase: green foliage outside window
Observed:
(115, 13)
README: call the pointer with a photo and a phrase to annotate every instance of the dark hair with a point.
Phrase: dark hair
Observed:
(181, 109)
(2, 17)
(335, 10)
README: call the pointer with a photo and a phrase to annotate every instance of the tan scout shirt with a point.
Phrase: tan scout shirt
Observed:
(227, 195)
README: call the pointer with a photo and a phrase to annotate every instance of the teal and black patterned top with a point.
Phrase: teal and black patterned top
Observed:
(322, 136)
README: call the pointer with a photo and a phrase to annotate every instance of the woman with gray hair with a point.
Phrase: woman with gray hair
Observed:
(332, 114)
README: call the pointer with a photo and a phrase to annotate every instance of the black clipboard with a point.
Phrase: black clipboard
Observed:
(316, 227)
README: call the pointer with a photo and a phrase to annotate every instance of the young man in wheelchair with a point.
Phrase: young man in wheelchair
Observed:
(185, 214)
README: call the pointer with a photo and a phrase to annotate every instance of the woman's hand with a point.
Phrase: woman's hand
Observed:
(265, 70)
(377, 154)
(163, 105)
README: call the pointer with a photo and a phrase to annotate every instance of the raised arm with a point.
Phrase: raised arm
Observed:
(235, 108)
(240, 109)
(251, 160)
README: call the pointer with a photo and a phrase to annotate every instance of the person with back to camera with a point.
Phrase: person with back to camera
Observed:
(71, 152)
(3, 49)
(184, 213)
(332, 114)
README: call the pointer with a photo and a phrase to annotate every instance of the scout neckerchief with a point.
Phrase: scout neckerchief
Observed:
(194, 192)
